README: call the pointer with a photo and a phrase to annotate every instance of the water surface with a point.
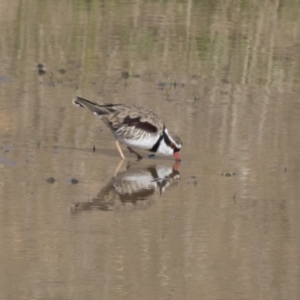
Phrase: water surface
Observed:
(224, 224)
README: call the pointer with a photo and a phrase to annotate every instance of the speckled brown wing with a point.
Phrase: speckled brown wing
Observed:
(133, 122)
(125, 121)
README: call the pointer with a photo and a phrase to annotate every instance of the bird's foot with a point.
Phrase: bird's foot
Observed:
(139, 157)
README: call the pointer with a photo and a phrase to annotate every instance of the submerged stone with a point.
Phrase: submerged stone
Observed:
(50, 180)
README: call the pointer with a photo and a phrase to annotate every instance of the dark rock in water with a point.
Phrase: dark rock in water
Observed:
(62, 71)
(41, 72)
(162, 84)
(228, 174)
(125, 75)
(74, 180)
(40, 66)
(50, 180)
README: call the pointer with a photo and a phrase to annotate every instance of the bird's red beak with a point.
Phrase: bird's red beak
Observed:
(177, 156)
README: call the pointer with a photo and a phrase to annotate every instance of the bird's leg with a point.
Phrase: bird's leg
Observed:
(119, 149)
(139, 157)
(119, 167)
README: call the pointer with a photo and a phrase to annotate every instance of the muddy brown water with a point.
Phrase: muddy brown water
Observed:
(224, 225)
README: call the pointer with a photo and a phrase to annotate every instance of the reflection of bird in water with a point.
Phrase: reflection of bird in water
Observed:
(136, 127)
(135, 188)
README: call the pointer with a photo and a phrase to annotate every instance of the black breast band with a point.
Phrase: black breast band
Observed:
(156, 145)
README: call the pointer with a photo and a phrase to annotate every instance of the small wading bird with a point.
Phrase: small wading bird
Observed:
(136, 127)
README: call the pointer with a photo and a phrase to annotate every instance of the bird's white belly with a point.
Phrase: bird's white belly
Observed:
(143, 143)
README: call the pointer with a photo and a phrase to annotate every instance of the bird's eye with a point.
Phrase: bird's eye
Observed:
(172, 145)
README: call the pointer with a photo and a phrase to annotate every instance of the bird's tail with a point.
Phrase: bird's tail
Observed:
(97, 109)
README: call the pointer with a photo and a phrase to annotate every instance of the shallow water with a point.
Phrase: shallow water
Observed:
(223, 224)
